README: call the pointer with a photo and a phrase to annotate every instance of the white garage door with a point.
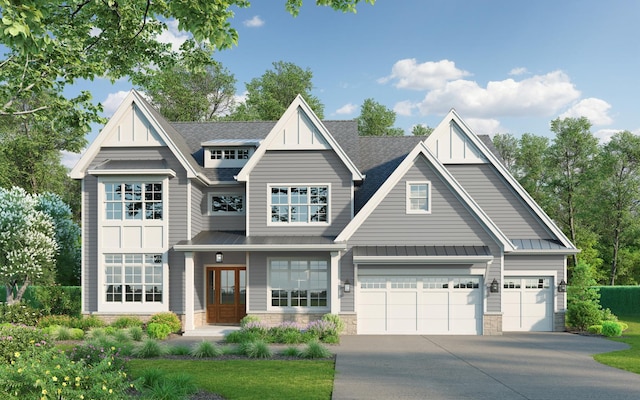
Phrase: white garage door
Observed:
(419, 305)
(527, 304)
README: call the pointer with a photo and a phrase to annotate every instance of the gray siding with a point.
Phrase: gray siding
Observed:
(299, 167)
(90, 244)
(221, 222)
(347, 300)
(196, 215)
(543, 264)
(499, 201)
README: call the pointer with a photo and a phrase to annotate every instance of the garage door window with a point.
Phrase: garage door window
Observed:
(435, 283)
(373, 283)
(298, 283)
(466, 283)
(536, 283)
(403, 283)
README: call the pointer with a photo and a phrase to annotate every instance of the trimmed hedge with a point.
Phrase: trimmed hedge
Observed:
(621, 300)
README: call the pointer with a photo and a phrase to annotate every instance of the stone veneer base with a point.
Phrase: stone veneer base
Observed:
(492, 324)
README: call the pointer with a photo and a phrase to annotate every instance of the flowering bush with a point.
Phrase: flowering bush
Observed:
(322, 329)
(19, 314)
(93, 354)
(18, 339)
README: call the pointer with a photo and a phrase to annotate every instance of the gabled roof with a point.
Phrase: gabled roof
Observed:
(420, 150)
(463, 129)
(299, 108)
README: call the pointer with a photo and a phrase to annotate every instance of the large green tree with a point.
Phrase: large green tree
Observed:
(507, 146)
(377, 120)
(269, 95)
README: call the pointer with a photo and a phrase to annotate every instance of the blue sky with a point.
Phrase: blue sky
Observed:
(505, 66)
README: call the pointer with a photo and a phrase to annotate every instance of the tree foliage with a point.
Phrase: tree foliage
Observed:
(269, 95)
(421, 130)
(377, 120)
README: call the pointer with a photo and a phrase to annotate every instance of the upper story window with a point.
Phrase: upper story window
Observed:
(226, 203)
(229, 154)
(418, 197)
(133, 201)
(227, 157)
(299, 204)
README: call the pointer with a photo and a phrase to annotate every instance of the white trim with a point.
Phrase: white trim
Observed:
(530, 273)
(298, 104)
(247, 221)
(399, 173)
(410, 210)
(189, 286)
(289, 204)
(334, 283)
(296, 309)
(132, 172)
(189, 206)
(83, 248)
(248, 287)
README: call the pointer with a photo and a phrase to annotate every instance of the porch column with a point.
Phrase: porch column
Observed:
(334, 282)
(189, 286)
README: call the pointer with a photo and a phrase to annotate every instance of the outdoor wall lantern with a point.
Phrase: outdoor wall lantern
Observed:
(495, 286)
(219, 257)
(347, 286)
(562, 286)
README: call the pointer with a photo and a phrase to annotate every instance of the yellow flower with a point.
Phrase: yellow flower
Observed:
(58, 366)
(64, 383)
(110, 391)
(44, 391)
(55, 378)
(20, 370)
(104, 387)
(77, 379)
(16, 354)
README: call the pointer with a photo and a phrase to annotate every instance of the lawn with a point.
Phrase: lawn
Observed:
(625, 359)
(251, 379)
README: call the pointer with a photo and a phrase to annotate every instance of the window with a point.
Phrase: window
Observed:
(466, 283)
(226, 203)
(299, 204)
(133, 278)
(418, 197)
(229, 154)
(298, 283)
(133, 201)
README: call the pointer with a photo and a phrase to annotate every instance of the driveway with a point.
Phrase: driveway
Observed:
(512, 366)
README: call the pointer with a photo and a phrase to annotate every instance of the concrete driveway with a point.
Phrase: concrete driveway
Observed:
(512, 366)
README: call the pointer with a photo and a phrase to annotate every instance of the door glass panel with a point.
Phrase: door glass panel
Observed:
(243, 286)
(211, 279)
(227, 287)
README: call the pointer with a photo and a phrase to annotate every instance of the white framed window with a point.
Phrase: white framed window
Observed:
(419, 197)
(298, 283)
(133, 278)
(226, 203)
(302, 204)
(133, 201)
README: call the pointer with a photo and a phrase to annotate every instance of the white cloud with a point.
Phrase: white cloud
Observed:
(408, 74)
(347, 109)
(112, 102)
(595, 110)
(518, 71)
(604, 135)
(254, 22)
(69, 159)
(484, 126)
(173, 35)
(539, 95)
(404, 108)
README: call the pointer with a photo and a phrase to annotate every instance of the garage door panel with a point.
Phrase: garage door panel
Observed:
(527, 307)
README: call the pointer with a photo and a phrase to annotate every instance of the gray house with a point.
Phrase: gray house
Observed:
(293, 219)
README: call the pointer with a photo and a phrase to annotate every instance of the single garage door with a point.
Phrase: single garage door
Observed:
(527, 304)
(420, 305)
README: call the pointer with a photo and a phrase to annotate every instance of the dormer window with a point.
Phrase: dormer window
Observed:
(228, 153)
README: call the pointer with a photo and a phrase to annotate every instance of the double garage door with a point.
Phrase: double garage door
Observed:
(527, 304)
(420, 304)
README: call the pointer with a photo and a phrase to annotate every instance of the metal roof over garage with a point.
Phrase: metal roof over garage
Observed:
(421, 254)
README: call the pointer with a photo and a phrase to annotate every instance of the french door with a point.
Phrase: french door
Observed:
(226, 294)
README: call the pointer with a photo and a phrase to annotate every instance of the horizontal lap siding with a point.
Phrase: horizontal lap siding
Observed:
(257, 274)
(299, 167)
(90, 244)
(196, 214)
(220, 222)
(347, 273)
(496, 198)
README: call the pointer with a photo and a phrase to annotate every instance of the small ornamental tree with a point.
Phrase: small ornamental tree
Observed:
(27, 243)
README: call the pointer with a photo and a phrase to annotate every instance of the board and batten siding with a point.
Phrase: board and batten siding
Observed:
(496, 198)
(299, 167)
(90, 244)
(544, 265)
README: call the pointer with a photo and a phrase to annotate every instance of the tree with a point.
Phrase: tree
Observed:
(570, 159)
(531, 169)
(27, 243)
(184, 93)
(53, 43)
(507, 146)
(421, 130)
(269, 96)
(619, 191)
(377, 120)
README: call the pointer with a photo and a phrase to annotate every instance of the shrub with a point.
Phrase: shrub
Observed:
(136, 333)
(172, 387)
(290, 337)
(206, 349)
(168, 318)
(58, 300)
(331, 339)
(179, 350)
(89, 322)
(611, 329)
(249, 318)
(148, 349)
(286, 332)
(126, 322)
(59, 320)
(19, 314)
(158, 331)
(256, 349)
(93, 354)
(151, 377)
(582, 314)
(234, 337)
(121, 336)
(315, 350)
(290, 351)
(18, 339)
(256, 327)
(322, 329)
(595, 329)
(66, 333)
(336, 320)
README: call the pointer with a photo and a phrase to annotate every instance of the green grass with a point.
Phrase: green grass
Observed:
(628, 360)
(250, 379)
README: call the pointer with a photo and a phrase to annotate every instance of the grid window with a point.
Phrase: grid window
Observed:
(129, 276)
(466, 283)
(305, 204)
(217, 154)
(370, 282)
(418, 200)
(536, 283)
(298, 283)
(435, 283)
(226, 203)
(128, 200)
(403, 283)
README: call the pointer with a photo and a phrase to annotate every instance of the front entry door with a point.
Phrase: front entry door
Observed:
(226, 294)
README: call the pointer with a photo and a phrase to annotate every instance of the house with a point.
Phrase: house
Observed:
(293, 219)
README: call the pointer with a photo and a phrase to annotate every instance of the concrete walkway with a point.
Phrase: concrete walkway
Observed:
(512, 366)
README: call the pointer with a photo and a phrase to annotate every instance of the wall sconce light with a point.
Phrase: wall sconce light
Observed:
(562, 286)
(495, 286)
(219, 257)
(347, 286)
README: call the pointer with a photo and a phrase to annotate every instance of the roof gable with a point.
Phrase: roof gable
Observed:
(410, 160)
(299, 129)
(476, 151)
